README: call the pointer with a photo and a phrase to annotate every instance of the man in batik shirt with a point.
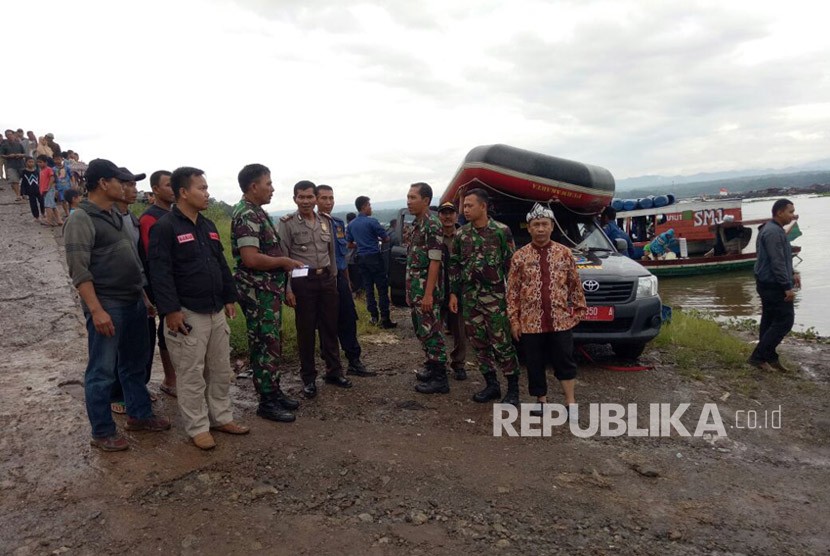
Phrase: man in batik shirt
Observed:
(544, 302)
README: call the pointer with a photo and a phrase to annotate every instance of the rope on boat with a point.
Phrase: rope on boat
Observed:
(552, 200)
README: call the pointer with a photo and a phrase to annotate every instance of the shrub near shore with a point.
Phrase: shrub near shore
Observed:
(220, 214)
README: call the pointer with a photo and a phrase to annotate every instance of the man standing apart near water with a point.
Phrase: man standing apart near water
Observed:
(424, 291)
(448, 215)
(312, 290)
(104, 266)
(366, 232)
(347, 313)
(262, 269)
(194, 289)
(776, 283)
(479, 263)
(544, 302)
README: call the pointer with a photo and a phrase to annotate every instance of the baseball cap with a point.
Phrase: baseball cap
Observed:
(50, 135)
(136, 177)
(101, 168)
(447, 206)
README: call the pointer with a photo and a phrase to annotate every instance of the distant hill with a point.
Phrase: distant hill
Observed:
(733, 185)
(664, 182)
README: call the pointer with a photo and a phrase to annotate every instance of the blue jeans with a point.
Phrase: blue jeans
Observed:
(373, 272)
(120, 357)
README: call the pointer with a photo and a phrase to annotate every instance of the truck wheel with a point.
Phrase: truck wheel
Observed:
(628, 351)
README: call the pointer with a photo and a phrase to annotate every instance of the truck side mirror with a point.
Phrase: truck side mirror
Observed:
(621, 245)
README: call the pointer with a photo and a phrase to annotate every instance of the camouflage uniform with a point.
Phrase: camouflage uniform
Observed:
(424, 246)
(261, 293)
(479, 264)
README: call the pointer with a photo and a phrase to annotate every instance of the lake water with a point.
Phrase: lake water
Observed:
(733, 294)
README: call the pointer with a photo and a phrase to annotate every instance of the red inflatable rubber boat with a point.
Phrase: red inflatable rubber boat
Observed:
(534, 177)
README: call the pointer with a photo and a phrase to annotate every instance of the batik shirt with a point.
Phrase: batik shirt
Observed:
(544, 292)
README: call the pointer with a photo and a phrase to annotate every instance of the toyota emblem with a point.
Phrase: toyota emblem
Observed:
(590, 285)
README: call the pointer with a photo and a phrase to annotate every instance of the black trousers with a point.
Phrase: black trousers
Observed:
(777, 318)
(346, 319)
(317, 310)
(556, 348)
(373, 274)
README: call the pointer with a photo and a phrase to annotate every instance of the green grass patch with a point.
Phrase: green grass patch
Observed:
(219, 214)
(701, 346)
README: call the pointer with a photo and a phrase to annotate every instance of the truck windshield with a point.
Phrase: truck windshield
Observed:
(592, 238)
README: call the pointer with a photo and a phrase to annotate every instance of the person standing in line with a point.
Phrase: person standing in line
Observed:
(63, 181)
(131, 224)
(448, 215)
(312, 291)
(194, 289)
(29, 177)
(13, 154)
(262, 269)
(479, 264)
(776, 282)
(46, 180)
(424, 291)
(366, 233)
(105, 268)
(351, 259)
(163, 200)
(53, 146)
(347, 313)
(544, 302)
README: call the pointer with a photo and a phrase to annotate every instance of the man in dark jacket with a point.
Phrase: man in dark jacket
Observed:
(776, 283)
(193, 285)
(104, 266)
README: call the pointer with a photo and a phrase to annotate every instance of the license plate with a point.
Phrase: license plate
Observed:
(600, 313)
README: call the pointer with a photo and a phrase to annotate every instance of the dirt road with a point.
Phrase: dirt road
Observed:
(380, 469)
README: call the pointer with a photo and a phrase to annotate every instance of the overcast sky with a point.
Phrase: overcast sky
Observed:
(369, 97)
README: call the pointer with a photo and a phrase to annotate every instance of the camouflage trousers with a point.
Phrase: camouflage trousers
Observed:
(263, 316)
(488, 332)
(429, 329)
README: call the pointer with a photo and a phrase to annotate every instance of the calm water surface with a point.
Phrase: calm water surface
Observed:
(733, 294)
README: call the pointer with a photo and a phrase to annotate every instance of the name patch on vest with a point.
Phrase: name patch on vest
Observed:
(184, 238)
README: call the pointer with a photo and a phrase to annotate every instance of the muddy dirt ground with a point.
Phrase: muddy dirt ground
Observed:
(380, 469)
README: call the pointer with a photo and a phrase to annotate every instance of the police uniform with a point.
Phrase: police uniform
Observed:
(310, 241)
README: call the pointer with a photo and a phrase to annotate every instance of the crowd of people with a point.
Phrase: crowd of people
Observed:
(162, 281)
(39, 172)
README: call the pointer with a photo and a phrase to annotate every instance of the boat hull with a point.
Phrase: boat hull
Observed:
(694, 266)
(533, 177)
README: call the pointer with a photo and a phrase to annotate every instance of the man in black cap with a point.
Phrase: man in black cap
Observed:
(132, 225)
(104, 266)
(448, 215)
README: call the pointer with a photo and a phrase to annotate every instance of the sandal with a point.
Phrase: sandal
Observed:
(153, 397)
(169, 390)
(118, 408)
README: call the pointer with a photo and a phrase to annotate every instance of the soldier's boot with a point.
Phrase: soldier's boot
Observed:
(491, 391)
(425, 374)
(272, 409)
(438, 383)
(512, 395)
(288, 403)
